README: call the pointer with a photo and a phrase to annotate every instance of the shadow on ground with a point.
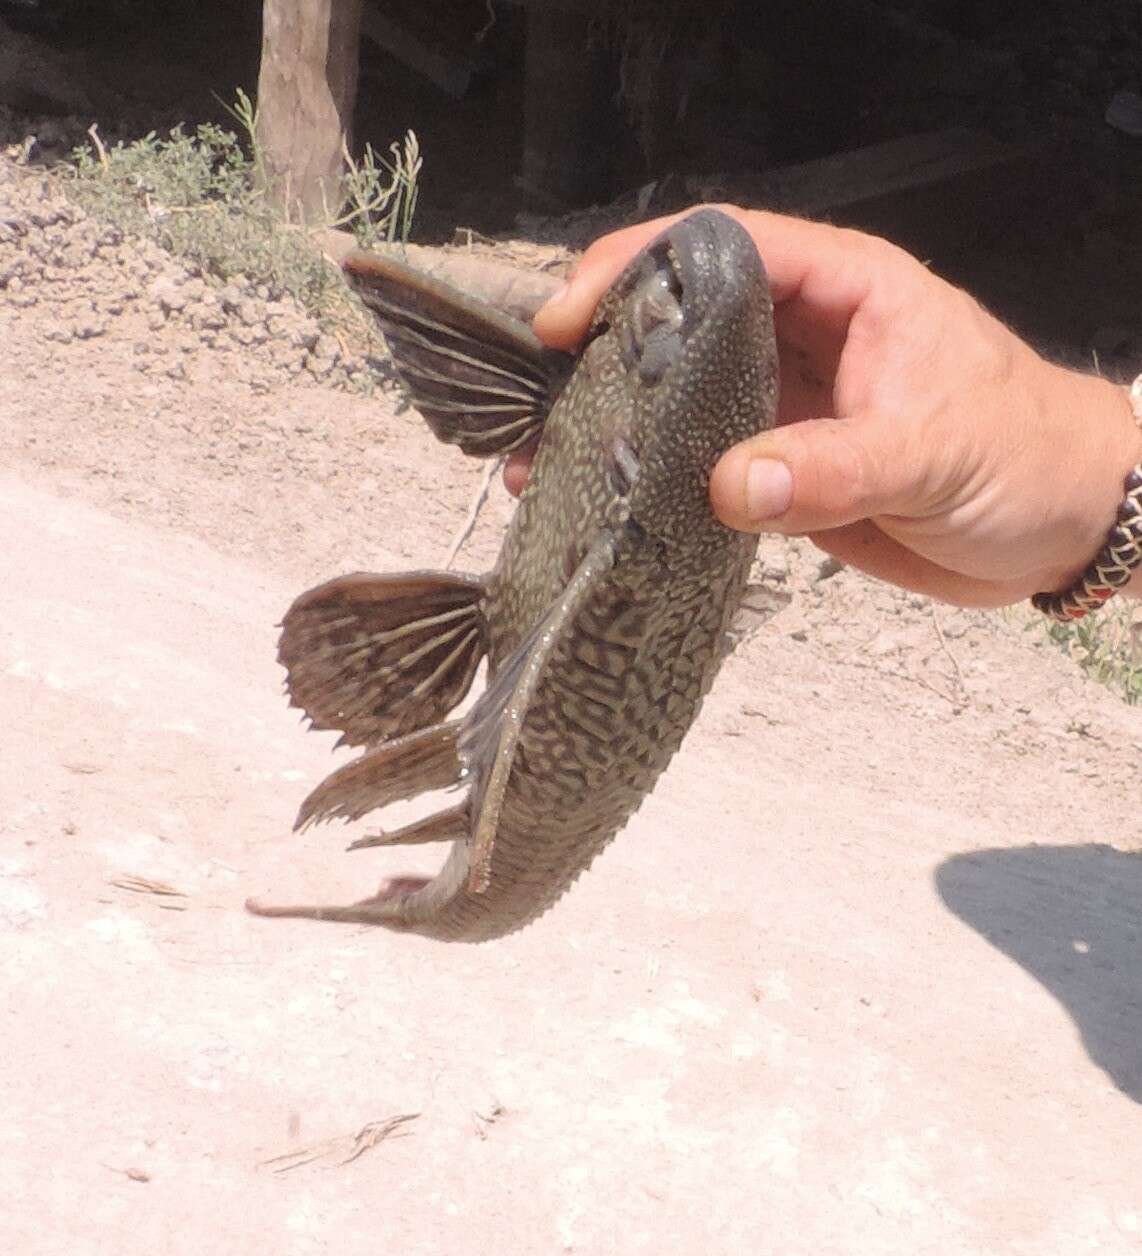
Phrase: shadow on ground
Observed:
(1072, 916)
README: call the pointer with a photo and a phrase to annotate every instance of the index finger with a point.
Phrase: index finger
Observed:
(828, 270)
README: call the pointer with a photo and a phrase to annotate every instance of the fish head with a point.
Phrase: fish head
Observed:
(685, 341)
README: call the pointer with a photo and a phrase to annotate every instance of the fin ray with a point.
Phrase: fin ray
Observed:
(397, 769)
(377, 657)
(441, 826)
(464, 363)
(436, 345)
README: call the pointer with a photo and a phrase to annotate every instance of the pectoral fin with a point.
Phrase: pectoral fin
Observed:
(759, 604)
(480, 378)
(381, 656)
(490, 733)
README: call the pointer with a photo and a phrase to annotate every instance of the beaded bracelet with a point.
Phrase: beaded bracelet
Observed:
(1115, 563)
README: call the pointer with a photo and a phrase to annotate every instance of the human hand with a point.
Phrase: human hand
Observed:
(919, 439)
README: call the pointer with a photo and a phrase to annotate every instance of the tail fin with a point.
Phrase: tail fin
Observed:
(383, 908)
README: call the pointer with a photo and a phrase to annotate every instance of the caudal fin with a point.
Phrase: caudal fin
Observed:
(382, 908)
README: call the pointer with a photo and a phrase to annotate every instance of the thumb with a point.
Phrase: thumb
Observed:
(820, 474)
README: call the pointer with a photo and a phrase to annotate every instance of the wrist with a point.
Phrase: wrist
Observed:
(1133, 587)
(1112, 437)
(1089, 468)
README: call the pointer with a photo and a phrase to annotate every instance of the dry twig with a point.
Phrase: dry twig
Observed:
(473, 511)
(485, 1120)
(365, 1139)
(93, 133)
(947, 651)
(144, 885)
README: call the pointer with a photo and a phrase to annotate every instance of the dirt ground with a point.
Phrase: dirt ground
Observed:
(862, 976)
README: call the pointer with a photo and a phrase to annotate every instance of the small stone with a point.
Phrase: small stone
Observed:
(828, 568)
(306, 336)
(167, 293)
(248, 311)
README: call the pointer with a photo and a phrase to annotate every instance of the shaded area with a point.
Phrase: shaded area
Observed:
(646, 107)
(1072, 917)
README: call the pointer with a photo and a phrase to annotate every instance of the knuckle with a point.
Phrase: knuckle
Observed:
(843, 475)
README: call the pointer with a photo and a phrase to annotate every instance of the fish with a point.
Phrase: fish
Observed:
(612, 603)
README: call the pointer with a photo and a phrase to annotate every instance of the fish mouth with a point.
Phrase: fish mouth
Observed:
(653, 332)
(686, 277)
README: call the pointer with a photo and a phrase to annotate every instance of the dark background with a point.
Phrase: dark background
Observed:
(1052, 239)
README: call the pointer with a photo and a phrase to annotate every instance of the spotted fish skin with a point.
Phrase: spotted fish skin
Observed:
(606, 618)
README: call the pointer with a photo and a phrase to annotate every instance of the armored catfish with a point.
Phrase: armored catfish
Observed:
(607, 615)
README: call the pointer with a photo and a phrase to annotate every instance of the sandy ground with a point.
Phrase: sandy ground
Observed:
(862, 976)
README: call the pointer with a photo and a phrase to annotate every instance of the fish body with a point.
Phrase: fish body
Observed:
(607, 616)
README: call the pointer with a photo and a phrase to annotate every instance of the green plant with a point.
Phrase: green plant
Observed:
(381, 195)
(199, 194)
(1107, 646)
(245, 113)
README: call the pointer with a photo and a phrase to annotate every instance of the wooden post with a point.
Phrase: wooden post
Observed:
(307, 87)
